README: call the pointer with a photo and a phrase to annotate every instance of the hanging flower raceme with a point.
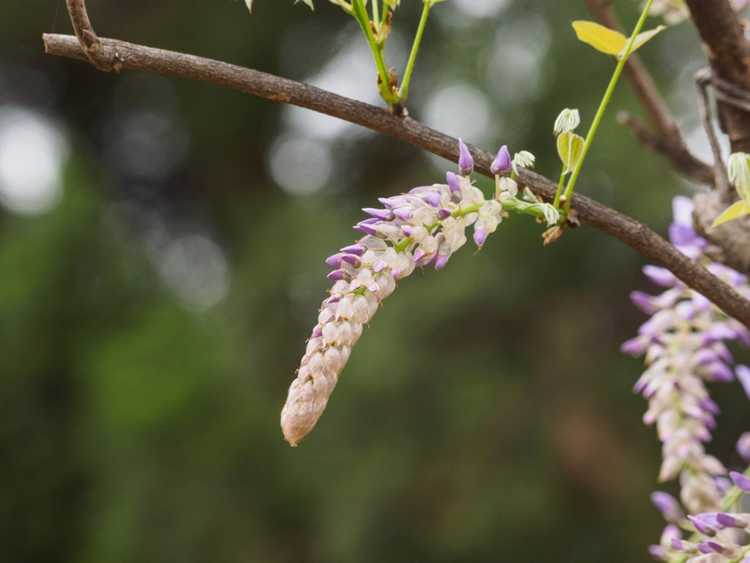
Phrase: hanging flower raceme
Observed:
(423, 227)
(684, 343)
(685, 346)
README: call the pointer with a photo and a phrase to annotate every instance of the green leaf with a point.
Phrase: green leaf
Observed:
(735, 211)
(603, 39)
(570, 149)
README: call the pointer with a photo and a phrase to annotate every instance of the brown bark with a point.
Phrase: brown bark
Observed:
(724, 40)
(274, 88)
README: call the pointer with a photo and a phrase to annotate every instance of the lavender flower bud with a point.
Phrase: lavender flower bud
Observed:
(667, 505)
(365, 228)
(660, 276)
(382, 214)
(465, 160)
(730, 521)
(480, 237)
(740, 481)
(356, 249)
(743, 446)
(503, 162)
(658, 552)
(441, 261)
(454, 182)
(743, 375)
(702, 526)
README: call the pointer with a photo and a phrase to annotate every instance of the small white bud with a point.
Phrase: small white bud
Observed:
(567, 121)
(523, 159)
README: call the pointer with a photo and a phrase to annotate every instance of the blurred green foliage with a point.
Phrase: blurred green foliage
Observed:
(485, 416)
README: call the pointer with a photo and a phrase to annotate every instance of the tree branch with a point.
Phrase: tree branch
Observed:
(89, 41)
(273, 88)
(684, 162)
(727, 49)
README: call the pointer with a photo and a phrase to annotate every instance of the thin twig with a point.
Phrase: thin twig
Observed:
(730, 94)
(684, 162)
(727, 48)
(270, 87)
(87, 37)
(702, 81)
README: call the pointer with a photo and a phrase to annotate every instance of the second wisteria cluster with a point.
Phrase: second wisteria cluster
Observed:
(685, 344)
(420, 228)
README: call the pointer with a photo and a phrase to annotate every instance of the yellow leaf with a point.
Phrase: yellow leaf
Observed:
(645, 37)
(599, 37)
(734, 211)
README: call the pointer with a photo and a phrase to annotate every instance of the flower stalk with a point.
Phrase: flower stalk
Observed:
(606, 99)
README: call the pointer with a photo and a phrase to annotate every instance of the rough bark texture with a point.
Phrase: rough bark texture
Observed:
(631, 232)
(724, 40)
(728, 51)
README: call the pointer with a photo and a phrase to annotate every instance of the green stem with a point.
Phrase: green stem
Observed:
(404, 90)
(468, 210)
(559, 191)
(376, 14)
(516, 205)
(384, 17)
(362, 17)
(604, 104)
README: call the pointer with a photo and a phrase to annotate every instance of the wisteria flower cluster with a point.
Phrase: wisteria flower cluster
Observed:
(423, 227)
(685, 347)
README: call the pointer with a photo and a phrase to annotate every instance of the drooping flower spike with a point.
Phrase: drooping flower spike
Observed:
(423, 227)
(685, 347)
(684, 343)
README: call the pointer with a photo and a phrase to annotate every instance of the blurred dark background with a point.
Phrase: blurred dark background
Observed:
(161, 264)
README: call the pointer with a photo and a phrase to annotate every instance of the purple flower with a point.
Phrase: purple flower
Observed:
(465, 160)
(644, 302)
(684, 343)
(503, 162)
(454, 182)
(667, 505)
(382, 214)
(743, 446)
(730, 521)
(743, 374)
(660, 276)
(702, 526)
(741, 481)
(356, 249)
(480, 237)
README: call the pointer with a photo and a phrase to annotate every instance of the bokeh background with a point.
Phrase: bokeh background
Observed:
(161, 264)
